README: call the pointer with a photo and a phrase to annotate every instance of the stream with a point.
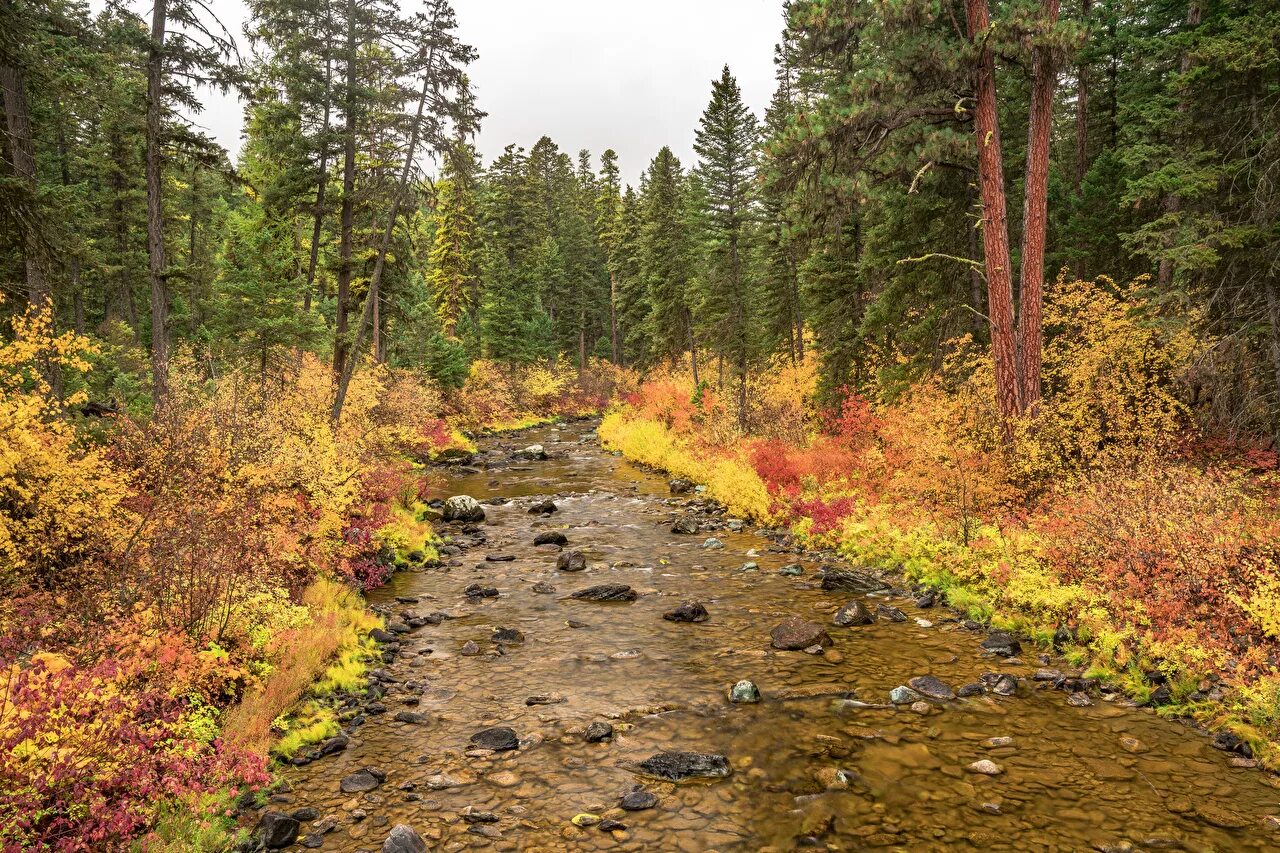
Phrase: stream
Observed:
(823, 760)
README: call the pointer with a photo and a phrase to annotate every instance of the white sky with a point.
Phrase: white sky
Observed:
(596, 74)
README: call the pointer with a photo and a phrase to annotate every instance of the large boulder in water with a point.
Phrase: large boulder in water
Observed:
(463, 508)
(1002, 644)
(533, 452)
(931, 686)
(678, 766)
(794, 633)
(404, 839)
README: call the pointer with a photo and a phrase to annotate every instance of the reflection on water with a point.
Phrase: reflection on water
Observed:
(816, 764)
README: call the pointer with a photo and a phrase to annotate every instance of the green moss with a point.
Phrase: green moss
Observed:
(315, 723)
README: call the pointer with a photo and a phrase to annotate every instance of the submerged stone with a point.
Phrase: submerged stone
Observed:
(606, 592)
(853, 613)
(497, 738)
(795, 634)
(690, 611)
(677, 766)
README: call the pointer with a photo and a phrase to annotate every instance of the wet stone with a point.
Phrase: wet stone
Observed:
(359, 782)
(598, 733)
(680, 486)
(571, 561)
(853, 613)
(969, 690)
(551, 537)
(510, 636)
(986, 767)
(1002, 644)
(404, 839)
(463, 508)
(638, 800)
(932, 687)
(901, 695)
(744, 693)
(678, 766)
(605, 592)
(889, 613)
(795, 634)
(278, 830)
(470, 648)
(791, 570)
(543, 588)
(498, 738)
(690, 611)
(712, 544)
(850, 581)
(686, 525)
(543, 507)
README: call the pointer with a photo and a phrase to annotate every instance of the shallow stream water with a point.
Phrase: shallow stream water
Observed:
(819, 763)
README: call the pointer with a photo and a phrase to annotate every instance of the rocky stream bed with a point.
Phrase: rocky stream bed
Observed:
(655, 676)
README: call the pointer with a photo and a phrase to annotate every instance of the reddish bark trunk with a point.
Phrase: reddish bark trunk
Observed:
(1035, 215)
(995, 226)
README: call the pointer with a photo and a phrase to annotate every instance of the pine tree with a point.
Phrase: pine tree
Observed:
(453, 274)
(726, 146)
(665, 256)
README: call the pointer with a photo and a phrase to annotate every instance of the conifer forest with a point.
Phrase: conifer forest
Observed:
(889, 463)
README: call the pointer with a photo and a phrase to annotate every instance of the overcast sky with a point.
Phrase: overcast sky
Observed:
(632, 75)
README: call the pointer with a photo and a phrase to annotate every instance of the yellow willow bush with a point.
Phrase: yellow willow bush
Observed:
(58, 503)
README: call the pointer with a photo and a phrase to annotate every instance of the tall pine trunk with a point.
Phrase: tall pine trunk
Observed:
(17, 112)
(322, 177)
(1044, 78)
(613, 316)
(157, 265)
(369, 316)
(995, 226)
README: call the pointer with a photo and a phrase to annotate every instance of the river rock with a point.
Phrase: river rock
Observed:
(543, 507)
(360, 781)
(845, 580)
(986, 767)
(463, 508)
(510, 636)
(498, 738)
(571, 561)
(278, 830)
(969, 690)
(333, 745)
(638, 800)
(1079, 699)
(551, 537)
(712, 544)
(680, 486)
(932, 687)
(470, 648)
(678, 766)
(853, 613)
(543, 588)
(744, 693)
(795, 634)
(598, 733)
(533, 453)
(476, 591)
(606, 592)
(892, 614)
(1002, 644)
(903, 695)
(686, 524)
(412, 718)
(404, 839)
(927, 600)
(690, 611)
(791, 570)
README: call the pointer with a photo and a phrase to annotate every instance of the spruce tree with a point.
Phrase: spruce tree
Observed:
(726, 146)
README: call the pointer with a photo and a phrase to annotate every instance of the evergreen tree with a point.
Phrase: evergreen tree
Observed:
(665, 253)
(726, 146)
